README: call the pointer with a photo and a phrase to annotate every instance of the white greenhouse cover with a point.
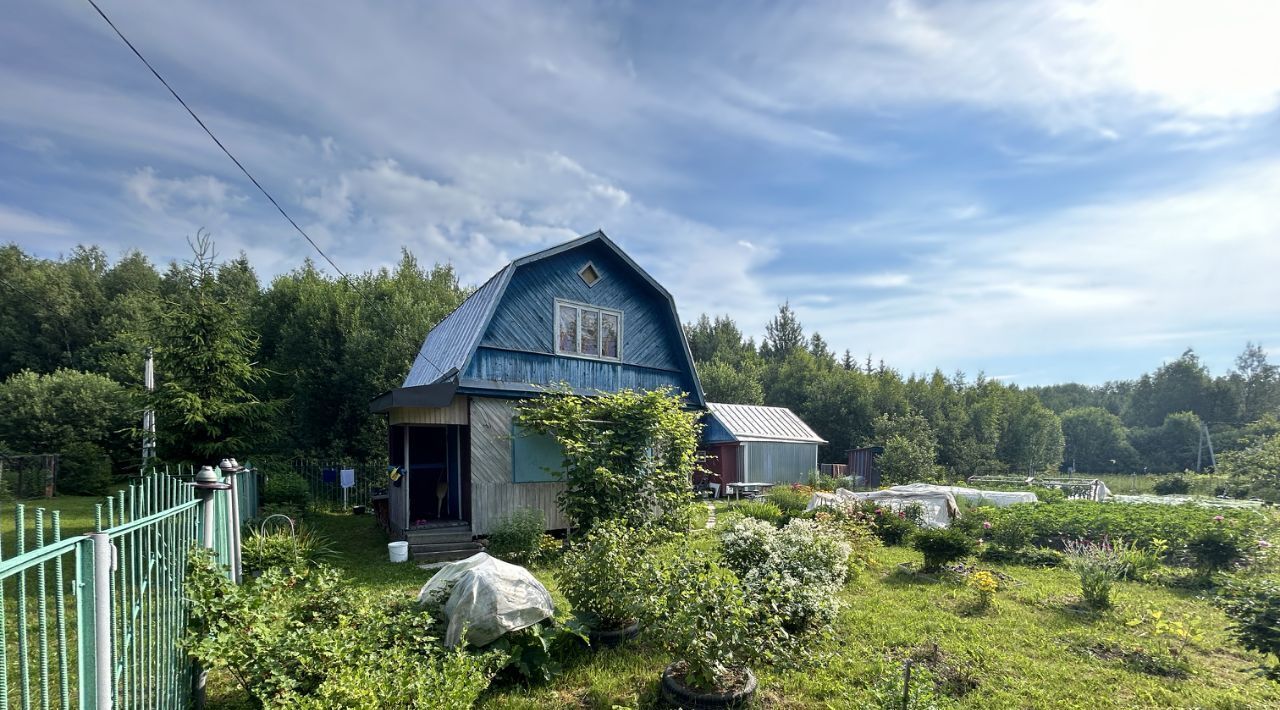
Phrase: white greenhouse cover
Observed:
(939, 502)
(489, 598)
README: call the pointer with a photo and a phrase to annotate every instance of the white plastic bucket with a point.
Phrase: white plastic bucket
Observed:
(398, 551)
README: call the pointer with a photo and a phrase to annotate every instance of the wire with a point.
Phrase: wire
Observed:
(240, 165)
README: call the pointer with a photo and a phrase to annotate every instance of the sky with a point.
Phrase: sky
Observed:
(1039, 191)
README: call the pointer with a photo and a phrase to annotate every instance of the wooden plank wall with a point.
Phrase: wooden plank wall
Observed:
(455, 413)
(493, 495)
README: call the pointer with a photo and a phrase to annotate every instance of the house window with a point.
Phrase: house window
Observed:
(588, 331)
(589, 274)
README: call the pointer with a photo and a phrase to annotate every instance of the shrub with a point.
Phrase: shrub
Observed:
(306, 638)
(794, 572)
(635, 468)
(846, 523)
(282, 547)
(1254, 609)
(791, 500)
(941, 546)
(84, 469)
(726, 519)
(517, 538)
(707, 622)
(1098, 567)
(1176, 526)
(1172, 485)
(749, 544)
(758, 509)
(1216, 548)
(606, 576)
(286, 490)
(893, 527)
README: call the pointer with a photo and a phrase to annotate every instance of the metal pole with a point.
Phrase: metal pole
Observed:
(103, 566)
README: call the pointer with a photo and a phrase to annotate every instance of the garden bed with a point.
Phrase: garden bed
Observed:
(1015, 655)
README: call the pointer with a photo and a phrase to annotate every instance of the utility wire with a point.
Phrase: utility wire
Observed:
(240, 165)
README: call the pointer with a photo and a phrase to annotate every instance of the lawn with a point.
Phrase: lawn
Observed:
(1034, 648)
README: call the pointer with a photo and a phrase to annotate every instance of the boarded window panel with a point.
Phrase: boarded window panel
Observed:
(608, 335)
(568, 329)
(590, 332)
(535, 458)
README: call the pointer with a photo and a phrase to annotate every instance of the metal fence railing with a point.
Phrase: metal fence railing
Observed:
(326, 489)
(95, 620)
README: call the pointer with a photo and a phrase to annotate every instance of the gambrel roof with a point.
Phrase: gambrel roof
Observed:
(451, 345)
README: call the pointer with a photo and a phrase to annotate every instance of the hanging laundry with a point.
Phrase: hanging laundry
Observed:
(329, 475)
(347, 477)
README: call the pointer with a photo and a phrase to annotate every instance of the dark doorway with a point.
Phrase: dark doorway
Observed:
(439, 464)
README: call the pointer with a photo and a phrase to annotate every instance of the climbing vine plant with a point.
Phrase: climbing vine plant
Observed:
(628, 455)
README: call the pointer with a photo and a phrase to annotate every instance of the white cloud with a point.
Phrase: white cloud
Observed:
(18, 224)
(1106, 67)
(1187, 265)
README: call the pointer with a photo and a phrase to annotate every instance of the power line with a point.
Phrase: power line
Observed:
(252, 179)
(240, 165)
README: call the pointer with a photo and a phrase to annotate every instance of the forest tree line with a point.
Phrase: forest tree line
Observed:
(287, 368)
(947, 427)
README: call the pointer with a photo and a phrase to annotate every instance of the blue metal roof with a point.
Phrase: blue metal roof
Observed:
(450, 343)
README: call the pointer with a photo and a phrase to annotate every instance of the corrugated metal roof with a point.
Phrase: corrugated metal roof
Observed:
(450, 343)
(749, 422)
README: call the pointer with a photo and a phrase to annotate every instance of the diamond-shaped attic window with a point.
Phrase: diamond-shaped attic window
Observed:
(589, 274)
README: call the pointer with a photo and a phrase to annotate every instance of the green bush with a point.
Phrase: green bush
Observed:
(1254, 609)
(604, 576)
(286, 491)
(282, 547)
(941, 546)
(1216, 548)
(893, 527)
(84, 469)
(758, 509)
(1099, 566)
(791, 501)
(706, 621)
(1168, 529)
(306, 637)
(795, 572)
(517, 538)
(1172, 485)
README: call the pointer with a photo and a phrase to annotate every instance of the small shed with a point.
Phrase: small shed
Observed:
(747, 443)
(863, 467)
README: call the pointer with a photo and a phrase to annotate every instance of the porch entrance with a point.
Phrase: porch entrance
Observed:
(436, 459)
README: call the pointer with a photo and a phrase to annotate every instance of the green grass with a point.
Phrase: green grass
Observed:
(76, 518)
(1035, 648)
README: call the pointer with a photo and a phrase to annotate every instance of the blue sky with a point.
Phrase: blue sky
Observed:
(1044, 191)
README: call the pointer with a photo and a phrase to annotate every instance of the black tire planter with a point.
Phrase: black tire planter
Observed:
(675, 693)
(612, 638)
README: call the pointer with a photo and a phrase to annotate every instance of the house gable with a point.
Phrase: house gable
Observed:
(503, 339)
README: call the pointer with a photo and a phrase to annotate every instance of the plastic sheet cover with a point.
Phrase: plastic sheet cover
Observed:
(938, 502)
(487, 597)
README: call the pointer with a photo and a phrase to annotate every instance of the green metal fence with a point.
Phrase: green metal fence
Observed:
(95, 620)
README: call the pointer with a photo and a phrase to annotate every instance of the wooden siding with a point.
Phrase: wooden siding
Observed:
(525, 317)
(455, 413)
(493, 495)
(495, 368)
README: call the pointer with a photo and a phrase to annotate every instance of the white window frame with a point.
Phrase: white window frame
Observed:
(555, 335)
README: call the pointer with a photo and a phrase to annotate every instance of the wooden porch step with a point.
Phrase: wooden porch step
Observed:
(416, 537)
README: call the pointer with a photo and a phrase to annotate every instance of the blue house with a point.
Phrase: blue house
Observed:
(581, 313)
